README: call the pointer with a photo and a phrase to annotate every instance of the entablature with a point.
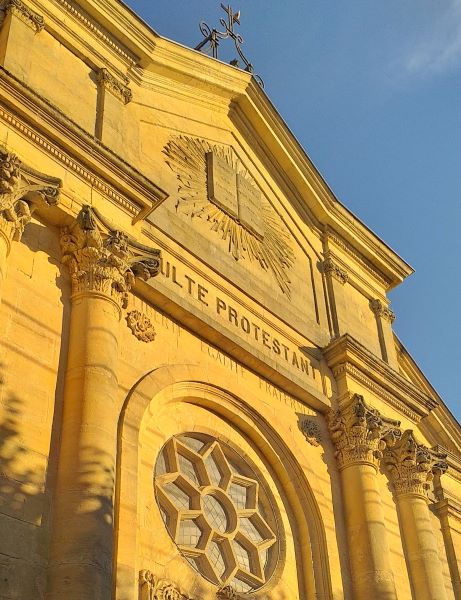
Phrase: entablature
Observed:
(348, 358)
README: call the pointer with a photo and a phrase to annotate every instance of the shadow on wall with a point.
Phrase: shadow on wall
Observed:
(22, 506)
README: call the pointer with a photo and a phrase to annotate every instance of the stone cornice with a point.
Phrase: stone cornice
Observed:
(23, 12)
(248, 103)
(77, 150)
(346, 354)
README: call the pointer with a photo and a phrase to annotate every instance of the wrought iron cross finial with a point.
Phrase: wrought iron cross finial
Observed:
(213, 37)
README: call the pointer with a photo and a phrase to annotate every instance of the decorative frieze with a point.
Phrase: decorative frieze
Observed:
(107, 265)
(360, 433)
(381, 310)
(23, 12)
(311, 431)
(329, 267)
(116, 87)
(412, 466)
(22, 189)
(141, 326)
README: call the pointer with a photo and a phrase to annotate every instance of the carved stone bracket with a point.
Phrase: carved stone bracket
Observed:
(23, 12)
(329, 267)
(107, 264)
(311, 431)
(360, 433)
(381, 310)
(22, 190)
(119, 89)
(141, 326)
(412, 466)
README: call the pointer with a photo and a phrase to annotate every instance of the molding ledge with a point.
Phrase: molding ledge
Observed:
(76, 149)
(347, 355)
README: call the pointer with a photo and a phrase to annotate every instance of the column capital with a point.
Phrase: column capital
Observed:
(22, 190)
(329, 267)
(380, 309)
(360, 433)
(23, 12)
(104, 263)
(412, 466)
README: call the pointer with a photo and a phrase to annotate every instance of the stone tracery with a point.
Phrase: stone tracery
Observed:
(216, 511)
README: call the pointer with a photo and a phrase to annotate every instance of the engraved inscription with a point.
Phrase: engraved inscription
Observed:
(249, 201)
(222, 185)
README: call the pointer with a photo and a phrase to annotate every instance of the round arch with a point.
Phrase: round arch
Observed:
(193, 384)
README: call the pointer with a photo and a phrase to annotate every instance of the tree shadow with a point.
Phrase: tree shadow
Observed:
(22, 506)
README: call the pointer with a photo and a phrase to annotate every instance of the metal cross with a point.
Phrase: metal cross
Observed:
(213, 38)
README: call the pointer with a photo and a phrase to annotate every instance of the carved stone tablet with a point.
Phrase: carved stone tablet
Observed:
(222, 184)
(250, 209)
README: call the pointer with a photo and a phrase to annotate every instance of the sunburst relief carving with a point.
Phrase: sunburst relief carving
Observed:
(215, 186)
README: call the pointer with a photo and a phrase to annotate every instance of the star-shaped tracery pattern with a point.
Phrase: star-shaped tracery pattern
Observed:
(216, 511)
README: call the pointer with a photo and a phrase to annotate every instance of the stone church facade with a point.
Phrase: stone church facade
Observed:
(201, 394)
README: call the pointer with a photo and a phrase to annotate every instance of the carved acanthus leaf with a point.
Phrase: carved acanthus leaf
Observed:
(311, 430)
(412, 466)
(152, 587)
(329, 267)
(227, 593)
(141, 326)
(108, 263)
(22, 190)
(116, 87)
(360, 433)
(23, 12)
(381, 310)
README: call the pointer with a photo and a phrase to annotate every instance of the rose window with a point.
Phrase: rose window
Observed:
(217, 511)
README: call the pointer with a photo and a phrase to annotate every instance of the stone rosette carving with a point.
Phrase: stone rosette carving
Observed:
(311, 431)
(360, 433)
(141, 326)
(412, 466)
(119, 89)
(214, 186)
(329, 267)
(22, 190)
(107, 264)
(381, 310)
(152, 587)
(23, 12)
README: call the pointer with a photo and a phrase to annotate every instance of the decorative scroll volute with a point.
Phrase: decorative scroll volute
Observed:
(412, 466)
(22, 190)
(360, 433)
(104, 264)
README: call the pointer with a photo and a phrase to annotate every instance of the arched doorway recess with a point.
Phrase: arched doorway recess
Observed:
(175, 391)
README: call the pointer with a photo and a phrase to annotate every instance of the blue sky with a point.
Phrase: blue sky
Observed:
(372, 90)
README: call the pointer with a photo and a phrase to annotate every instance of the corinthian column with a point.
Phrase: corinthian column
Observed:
(22, 190)
(103, 269)
(360, 434)
(411, 467)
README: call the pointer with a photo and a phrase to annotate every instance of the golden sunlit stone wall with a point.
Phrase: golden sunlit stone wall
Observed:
(172, 264)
